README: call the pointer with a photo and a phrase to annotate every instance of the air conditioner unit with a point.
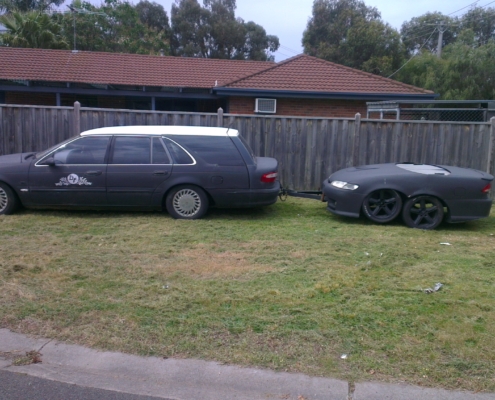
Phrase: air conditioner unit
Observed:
(267, 106)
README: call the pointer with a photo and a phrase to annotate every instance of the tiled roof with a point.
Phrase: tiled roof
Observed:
(301, 73)
(122, 69)
(311, 74)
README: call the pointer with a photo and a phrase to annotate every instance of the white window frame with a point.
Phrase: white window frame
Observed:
(257, 108)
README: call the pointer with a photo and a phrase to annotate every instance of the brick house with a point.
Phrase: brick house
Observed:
(299, 86)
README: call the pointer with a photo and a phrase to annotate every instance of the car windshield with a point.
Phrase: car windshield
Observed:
(43, 153)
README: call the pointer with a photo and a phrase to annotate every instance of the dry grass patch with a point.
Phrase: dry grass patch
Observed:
(208, 262)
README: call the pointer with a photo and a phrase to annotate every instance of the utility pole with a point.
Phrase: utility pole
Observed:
(441, 29)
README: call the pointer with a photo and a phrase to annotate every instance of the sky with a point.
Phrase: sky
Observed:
(287, 19)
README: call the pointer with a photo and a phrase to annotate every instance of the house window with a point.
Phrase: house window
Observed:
(267, 106)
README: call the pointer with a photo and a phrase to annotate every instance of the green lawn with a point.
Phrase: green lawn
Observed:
(288, 287)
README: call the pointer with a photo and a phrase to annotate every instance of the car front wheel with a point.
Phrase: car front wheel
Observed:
(382, 205)
(8, 201)
(423, 212)
(187, 202)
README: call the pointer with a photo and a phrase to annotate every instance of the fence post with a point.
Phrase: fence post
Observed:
(357, 140)
(490, 168)
(220, 117)
(77, 118)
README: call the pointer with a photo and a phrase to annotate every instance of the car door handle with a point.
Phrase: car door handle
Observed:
(160, 172)
(94, 172)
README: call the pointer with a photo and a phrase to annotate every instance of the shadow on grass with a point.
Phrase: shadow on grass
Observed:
(213, 213)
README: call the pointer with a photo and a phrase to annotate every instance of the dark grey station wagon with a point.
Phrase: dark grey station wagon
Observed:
(183, 169)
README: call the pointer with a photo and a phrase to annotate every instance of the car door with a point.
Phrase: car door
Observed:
(137, 167)
(74, 174)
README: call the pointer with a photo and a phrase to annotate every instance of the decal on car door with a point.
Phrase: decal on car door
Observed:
(73, 179)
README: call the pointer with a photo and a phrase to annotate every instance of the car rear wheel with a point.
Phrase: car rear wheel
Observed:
(8, 200)
(382, 205)
(187, 202)
(423, 212)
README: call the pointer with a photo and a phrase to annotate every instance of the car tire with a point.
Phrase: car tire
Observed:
(187, 202)
(382, 205)
(423, 212)
(8, 200)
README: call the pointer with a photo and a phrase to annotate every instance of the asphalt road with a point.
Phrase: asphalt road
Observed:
(16, 386)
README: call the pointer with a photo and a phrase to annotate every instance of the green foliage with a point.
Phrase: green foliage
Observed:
(481, 21)
(350, 33)
(419, 32)
(465, 70)
(213, 31)
(153, 15)
(33, 29)
(115, 26)
(9, 6)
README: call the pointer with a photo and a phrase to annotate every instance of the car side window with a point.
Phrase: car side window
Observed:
(159, 154)
(86, 150)
(179, 155)
(131, 150)
(214, 150)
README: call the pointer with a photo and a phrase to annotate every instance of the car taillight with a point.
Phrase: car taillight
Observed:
(269, 177)
(487, 188)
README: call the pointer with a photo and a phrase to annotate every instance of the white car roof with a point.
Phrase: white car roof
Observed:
(160, 130)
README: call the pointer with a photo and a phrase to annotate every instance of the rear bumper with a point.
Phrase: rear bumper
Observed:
(245, 197)
(468, 210)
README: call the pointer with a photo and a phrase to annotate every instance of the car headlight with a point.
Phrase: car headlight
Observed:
(344, 185)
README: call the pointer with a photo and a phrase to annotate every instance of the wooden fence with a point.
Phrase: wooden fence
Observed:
(308, 149)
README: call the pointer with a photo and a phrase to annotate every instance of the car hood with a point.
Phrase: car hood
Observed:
(17, 158)
(392, 169)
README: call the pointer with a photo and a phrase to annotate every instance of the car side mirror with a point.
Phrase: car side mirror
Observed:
(50, 161)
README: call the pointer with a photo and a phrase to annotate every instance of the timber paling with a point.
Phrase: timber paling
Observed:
(308, 149)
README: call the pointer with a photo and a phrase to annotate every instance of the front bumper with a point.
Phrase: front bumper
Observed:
(342, 202)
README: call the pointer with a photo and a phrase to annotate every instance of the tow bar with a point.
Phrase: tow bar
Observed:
(307, 194)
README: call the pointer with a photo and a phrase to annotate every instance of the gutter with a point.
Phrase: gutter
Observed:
(223, 91)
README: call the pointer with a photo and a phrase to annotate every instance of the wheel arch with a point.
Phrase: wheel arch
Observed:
(186, 183)
(428, 193)
(18, 198)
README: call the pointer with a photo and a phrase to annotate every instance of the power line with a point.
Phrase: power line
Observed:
(289, 49)
(412, 56)
(460, 9)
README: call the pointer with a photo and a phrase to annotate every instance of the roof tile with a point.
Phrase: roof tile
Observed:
(306, 73)
(122, 69)
(301, 73)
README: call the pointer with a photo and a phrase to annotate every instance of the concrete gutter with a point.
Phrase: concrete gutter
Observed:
(192, 379)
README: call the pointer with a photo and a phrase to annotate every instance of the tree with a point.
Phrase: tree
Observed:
(33, 29)
(9, 6)
(422, 32)
(153, 15)
(189, 30)
(350, 33)
(424, 70)
(257, 43)
(373, 47)
(482, 22)
(464, 72)
(115, 26)
(213, 31)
